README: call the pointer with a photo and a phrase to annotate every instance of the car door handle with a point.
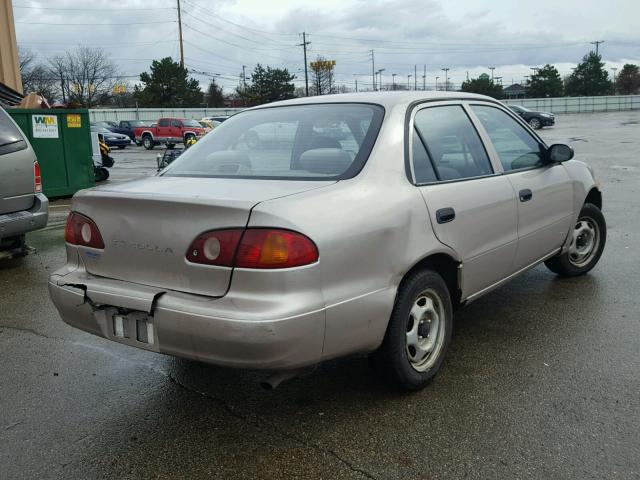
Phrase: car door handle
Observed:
(445, 215)
(525, 195)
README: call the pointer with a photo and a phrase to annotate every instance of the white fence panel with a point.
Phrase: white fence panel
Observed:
(153, 114)
(611, 103)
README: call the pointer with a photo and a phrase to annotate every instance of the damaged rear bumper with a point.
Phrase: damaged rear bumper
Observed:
(236, 331)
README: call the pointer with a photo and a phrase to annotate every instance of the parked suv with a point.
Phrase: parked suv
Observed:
(169, 131)
(23, 206)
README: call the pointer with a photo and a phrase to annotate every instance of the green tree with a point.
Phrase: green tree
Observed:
(168, 85)
(546, 82)
(214, 95)
(268, 85)
(628, 81)
(589, 78)
(482, 85)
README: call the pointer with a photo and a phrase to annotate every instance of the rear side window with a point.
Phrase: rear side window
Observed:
(304, 142)
(164, 122)
(452, 143)
(11, 138)
(515, 146)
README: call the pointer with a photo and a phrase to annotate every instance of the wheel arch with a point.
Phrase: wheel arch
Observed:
(595, 197)
(447, 267)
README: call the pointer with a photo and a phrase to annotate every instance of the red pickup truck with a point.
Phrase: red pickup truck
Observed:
(168, 131)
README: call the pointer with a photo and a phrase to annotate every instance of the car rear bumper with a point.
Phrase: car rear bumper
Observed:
(19, 223)
(212, 330)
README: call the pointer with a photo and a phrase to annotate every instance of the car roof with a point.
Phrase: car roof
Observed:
(386, 99)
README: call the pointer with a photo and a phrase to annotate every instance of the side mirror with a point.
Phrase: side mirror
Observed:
(560, 152)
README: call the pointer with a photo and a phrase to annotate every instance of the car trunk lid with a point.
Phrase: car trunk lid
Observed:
(148, 225)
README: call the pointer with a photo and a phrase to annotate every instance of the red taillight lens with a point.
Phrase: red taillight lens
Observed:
(37, 183)
(81, 230)
(215, 248)
(259, 248)
(270, 248)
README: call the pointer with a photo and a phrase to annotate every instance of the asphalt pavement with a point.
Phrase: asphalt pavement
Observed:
(541, 380)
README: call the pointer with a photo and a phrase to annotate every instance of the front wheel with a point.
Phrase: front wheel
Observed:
(419, 332)
(101, 174)
(588, 238)
(535, 123)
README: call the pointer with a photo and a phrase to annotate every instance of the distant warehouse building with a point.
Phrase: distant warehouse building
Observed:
(515, 91)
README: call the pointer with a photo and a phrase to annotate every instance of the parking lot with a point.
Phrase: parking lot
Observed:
(541, 380)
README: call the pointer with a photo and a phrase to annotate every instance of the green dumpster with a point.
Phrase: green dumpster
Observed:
(61, 139)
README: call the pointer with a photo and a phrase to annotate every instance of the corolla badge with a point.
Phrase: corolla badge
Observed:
(149, 247)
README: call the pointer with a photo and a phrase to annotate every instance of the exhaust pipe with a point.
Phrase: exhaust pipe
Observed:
(272, 382)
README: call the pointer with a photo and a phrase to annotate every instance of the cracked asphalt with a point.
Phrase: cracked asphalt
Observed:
(541, 380)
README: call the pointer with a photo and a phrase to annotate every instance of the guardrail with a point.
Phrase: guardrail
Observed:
(153, 114)
(611, 103)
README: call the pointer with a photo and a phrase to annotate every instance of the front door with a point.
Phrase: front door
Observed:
(471, 208)
(544, 191)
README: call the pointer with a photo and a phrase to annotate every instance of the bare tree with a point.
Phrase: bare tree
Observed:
(86, 75)
(322, 81)
(35, 76)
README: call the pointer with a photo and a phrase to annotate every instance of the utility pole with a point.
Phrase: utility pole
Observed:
(615, 88)
(415, 76)
(597, 44)
(180, 34)
(373, 71)
(306, 74)
(244, 77)
(424, 78)
(492, 69)
(446, 78)
(356, 85)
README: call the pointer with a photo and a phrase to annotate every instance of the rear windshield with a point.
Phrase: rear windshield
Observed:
(303, 142)
(11, 139)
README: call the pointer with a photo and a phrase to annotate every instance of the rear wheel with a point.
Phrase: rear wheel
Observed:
(588, 238)
(419, 332)
(147, 142)
(535, 123)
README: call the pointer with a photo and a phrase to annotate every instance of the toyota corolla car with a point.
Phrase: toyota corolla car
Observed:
(313, 246)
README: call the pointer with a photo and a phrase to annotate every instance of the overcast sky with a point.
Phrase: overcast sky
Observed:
(222, 35)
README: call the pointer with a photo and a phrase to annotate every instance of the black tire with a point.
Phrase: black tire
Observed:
(569, 264)
(121, 147)
(147, 142)
(535, 123)
(101, 174)
(186, 139)
(392, 359)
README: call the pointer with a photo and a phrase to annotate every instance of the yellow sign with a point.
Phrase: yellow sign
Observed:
(73, 120)
(119, 88)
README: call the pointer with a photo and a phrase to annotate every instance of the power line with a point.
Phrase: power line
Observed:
(95, 24)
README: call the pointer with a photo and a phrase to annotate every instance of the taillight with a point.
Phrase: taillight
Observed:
(258, 248)
(37, 182)
(81, 230)
(215, 248)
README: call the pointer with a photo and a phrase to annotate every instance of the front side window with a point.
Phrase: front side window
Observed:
(164, 122)
(516, 148)
(306, 142)
(11, 139)
(452, 143)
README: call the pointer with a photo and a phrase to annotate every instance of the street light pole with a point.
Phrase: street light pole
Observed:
(379, 72)
(437, 83)
(446, 78)
(492, 69)
(614, 79)
(409, 81)
(393, 80)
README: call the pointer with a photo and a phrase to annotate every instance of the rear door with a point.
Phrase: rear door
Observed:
(472, 207)
(16, 168)
(163, 129)
(176, 129)
(544, 191)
